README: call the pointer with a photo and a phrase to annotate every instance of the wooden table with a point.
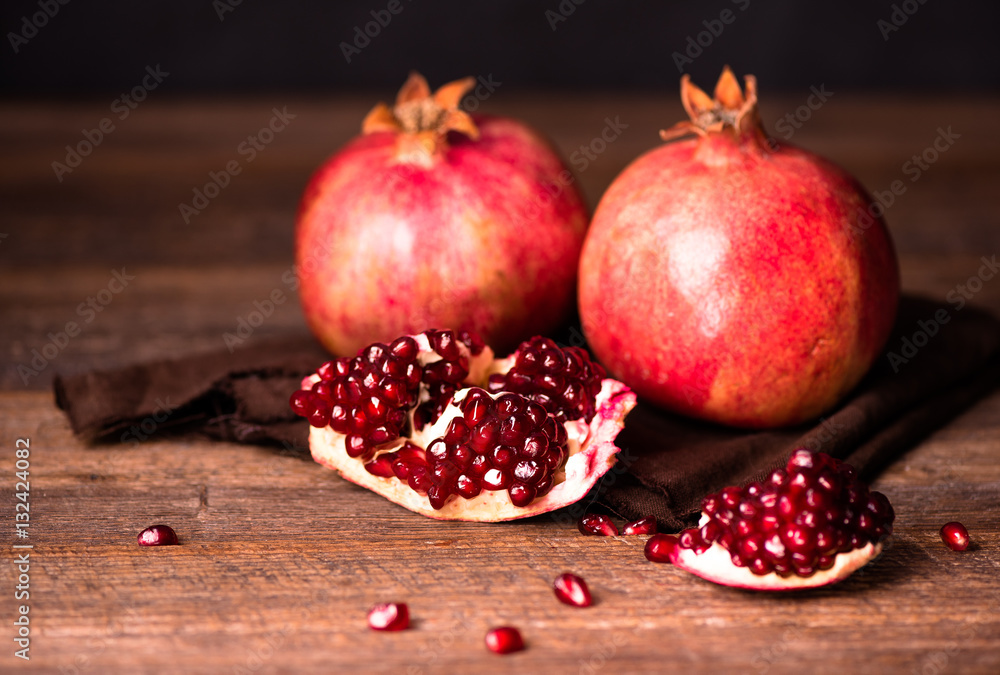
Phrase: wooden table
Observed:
(280, 559)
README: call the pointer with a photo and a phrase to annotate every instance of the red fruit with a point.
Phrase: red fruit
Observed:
(955, 536)
(572, 590)
(433, 217)
(504, 640)
(597, 524)
(158, 535)
(731, 280)
(410, 421)
(660, 548)
(389, 616)
(645, 525)
(812, 524)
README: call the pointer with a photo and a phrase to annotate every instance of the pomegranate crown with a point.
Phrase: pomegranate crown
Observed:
(730, 109)
(420, 113)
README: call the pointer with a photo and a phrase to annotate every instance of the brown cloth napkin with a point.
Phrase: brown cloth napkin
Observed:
(947, 358)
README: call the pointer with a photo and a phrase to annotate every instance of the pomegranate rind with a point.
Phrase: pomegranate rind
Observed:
(716, 565)
(589, 459)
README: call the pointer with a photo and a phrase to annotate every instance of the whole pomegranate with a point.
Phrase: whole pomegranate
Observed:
(435, 217)
(732, 280)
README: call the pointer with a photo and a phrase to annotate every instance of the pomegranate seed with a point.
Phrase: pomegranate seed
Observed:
(955, 536)
(597, 524)
(660, 547)
(645, 525)
(301, 402)
(389, 616)
(572, 590)
(504, 640)
(158, 535)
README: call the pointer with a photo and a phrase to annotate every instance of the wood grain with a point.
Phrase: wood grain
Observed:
(279, 559)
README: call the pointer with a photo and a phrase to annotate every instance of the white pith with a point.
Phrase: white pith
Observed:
(716, 565)
(591, 450)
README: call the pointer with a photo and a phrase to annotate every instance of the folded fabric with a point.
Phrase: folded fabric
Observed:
(938, 361)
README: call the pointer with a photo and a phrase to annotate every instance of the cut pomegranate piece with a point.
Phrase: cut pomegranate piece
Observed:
(504, 640)
(811, 524)
(597, 524)
(389, 616)
(412, 421)
(955, 536)
(645, 525)
(158, 535)
(572, 590)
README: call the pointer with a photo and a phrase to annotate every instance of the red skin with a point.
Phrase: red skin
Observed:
(391, 243)
(737, 285)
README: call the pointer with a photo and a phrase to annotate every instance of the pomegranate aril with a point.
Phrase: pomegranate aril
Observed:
(380, 466)
(389, 616)
(597, 524)
(404, 348)
(528, 472)
(955, 536)
(158, 535)
(521, 494)
(319, 415)
(494, 479)
(660, 547)
(572, 590)
(467, 486)
(301, 402)
(645, 525)
(504, 640)
(445, 343)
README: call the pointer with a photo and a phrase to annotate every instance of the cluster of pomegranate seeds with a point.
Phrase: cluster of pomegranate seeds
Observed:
(572, 590)
(955, 536)
(390, 616)
(508, 444)
(796, 522)
(563, 380)
(504, 640)
(660, 547)
(367, 398)
(645, 525)
(158, 535)
(597, 524)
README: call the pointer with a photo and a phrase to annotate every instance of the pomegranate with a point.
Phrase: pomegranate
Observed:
(572, 590)
(955, 536)
(389, 616)
(810, 524)
(504, 640)
(434, 217)
(733, 280)
(158, 535)
(412, 421)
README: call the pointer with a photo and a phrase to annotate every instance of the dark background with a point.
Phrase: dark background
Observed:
(99, 48)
